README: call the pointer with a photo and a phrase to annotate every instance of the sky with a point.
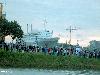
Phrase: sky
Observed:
(84, 15)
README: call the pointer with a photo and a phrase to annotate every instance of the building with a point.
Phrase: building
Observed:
(2, 15)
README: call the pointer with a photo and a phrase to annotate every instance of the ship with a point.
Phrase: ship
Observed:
(42, 38)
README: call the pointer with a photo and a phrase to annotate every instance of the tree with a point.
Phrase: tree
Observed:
(94, 45)
(10, 28)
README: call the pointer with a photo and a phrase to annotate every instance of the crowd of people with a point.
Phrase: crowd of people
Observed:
(71, 51)
(57, 51)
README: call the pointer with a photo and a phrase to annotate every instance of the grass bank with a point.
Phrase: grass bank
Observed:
(30, 60)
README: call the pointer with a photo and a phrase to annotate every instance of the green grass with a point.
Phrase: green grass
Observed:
(39, 60)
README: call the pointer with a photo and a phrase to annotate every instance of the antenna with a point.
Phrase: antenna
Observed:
(70, 30)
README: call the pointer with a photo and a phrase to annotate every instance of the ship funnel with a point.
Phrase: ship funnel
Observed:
(27, 28)
(31, 28)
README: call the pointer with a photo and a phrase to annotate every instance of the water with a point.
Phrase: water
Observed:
(46, 72)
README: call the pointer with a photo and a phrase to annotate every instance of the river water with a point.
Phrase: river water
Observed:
(46, 72)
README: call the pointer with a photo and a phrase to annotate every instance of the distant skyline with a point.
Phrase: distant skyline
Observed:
(60, 14)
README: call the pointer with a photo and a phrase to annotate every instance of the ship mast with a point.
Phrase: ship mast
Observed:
(45, 23)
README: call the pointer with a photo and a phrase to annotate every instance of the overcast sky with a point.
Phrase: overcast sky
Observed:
(60, 14)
